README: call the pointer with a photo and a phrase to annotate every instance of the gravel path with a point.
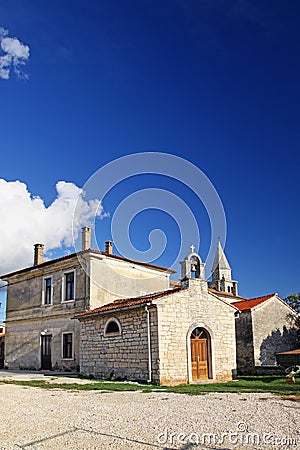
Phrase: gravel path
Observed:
(33, 418)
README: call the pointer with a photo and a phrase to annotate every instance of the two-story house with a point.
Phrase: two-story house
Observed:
(41, 332)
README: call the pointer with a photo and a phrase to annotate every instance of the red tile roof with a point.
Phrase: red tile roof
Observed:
(242, 305)
(245, 305)
(72, 255)
(128, 302)
(2, 335)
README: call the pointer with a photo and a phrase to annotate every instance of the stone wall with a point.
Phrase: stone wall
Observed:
(23, 343)
(24, 294)
(273, 331)
(119, 356)
(173, 318)
(178, 315)
(261, 333)
(27, 317)
(244, 343)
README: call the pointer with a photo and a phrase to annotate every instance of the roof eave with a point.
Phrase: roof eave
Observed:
(90, 251)
(224, 301)
(107, 311)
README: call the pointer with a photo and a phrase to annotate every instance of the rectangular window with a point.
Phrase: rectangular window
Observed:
(69, 286)
(48, 291)
(67, 345)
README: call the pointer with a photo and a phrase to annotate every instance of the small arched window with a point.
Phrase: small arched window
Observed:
(112, 327)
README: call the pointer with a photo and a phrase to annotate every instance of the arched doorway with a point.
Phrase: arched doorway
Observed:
(200, 354)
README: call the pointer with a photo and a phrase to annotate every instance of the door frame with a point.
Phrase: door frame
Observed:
(211, 362)
(41, 338)
(2, 352)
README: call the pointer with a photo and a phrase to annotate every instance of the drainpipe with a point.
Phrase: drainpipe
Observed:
(149, 344)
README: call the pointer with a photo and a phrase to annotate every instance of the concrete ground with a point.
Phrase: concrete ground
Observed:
(47, 375)
(34, 418)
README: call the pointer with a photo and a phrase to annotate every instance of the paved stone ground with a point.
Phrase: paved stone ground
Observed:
(33, 418)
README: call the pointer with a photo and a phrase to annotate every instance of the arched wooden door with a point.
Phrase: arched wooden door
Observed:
(200, 354)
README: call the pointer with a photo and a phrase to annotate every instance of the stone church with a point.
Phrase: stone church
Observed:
(61, 315)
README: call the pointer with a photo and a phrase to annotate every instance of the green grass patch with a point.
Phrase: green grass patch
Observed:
(93, 386)
(262, 384)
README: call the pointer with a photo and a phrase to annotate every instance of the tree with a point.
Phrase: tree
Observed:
(293, 300)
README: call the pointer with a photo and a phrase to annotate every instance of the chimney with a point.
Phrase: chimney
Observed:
(109, 247)
(38, 254)
(86, 238)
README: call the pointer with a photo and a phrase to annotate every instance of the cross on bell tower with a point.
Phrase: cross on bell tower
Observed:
(192, 266)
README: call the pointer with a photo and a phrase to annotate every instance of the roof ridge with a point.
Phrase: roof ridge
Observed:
(263, 296)
(228, 294)
(131, 301)
(82, 252)
(150, 295)
(244, 305)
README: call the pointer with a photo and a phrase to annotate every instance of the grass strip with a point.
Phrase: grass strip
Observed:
(245, 384)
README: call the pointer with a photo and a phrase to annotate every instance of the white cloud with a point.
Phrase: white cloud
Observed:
(15, 55)
(25, 220)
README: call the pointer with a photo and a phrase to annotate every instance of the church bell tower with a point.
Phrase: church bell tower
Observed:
(221, 274)
(192, 266)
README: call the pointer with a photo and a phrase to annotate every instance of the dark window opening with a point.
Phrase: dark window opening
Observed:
(112, 327)
(69, 286)
(199, 333)
(47, 299)
(67, 345)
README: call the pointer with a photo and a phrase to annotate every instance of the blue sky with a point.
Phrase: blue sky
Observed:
(215, 82)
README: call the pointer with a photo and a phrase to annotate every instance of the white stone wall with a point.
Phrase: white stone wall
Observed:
(273, 331)
(178, 315)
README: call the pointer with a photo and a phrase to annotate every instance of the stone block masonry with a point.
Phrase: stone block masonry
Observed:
(119, 356)
(173, 317)
(178, 315)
